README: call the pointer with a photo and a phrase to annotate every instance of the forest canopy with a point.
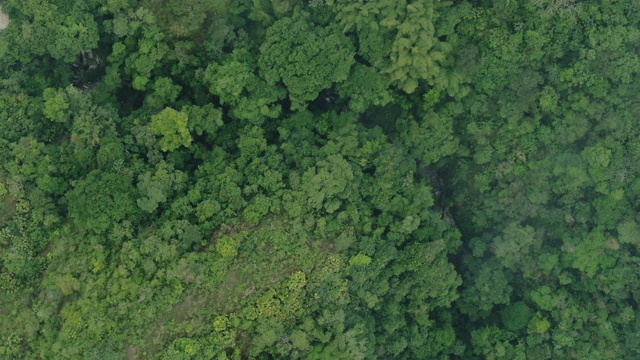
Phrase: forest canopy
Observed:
(320, 179)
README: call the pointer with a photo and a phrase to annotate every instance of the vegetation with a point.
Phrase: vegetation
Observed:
(322, 179)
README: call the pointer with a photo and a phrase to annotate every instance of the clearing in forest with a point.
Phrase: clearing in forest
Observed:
(4, 19)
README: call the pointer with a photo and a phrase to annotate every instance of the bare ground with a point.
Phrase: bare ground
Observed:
(4, 19)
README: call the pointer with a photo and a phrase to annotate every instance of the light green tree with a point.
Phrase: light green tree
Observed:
(172, 125)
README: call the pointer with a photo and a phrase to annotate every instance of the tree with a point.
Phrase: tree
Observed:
(429, 139)
(305, 57)
(516, 316)
(365, 87)
(325, 185)
(55, 106)
(164, 93)
(180, 18)
(403, 41)
(172, 125)
(59, 30)
(484, 289)
(100, 200)
(235, 83)
(515, 244)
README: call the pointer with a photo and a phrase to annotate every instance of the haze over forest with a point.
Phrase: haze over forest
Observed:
(320, 179)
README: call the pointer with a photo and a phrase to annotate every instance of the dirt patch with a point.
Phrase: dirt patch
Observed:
(163, 331)
(131, 353)
(4, 19)
(7, 208)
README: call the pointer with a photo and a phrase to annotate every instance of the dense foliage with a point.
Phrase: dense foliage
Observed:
(320, 179)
